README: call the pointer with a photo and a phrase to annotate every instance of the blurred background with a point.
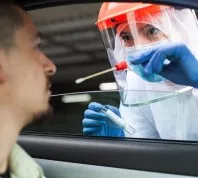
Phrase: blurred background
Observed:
(72, 41)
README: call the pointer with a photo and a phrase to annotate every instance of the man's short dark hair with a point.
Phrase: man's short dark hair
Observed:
(10, 21)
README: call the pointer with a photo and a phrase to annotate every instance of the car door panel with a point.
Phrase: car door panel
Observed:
(146, 155)
(73, 170)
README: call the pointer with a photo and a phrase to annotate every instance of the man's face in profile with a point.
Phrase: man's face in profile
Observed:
(27, 71)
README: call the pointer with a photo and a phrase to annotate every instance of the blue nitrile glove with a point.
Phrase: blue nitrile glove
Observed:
(183, 68)
(96, 123)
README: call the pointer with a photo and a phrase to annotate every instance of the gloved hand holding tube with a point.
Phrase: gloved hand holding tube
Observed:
(97, 123)
(183, 67)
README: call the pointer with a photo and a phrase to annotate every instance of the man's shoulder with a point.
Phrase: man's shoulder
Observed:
(22, 165)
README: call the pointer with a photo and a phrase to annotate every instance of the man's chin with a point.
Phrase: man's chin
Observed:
(39, 115)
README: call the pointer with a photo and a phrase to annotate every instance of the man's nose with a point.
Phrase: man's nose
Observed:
(49, 67)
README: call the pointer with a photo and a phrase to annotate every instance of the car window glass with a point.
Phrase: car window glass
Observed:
(71, 39)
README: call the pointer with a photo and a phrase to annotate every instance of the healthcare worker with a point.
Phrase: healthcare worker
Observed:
(160, 45)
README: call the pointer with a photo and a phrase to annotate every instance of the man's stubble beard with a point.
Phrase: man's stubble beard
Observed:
(47, 113)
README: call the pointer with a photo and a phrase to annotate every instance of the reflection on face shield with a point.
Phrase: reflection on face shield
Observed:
(136, 42)
(138, 34)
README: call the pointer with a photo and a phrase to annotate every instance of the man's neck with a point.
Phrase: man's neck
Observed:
(3, 166)
(10, 127)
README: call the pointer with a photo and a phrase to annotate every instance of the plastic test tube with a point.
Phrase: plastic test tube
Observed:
(117, 120)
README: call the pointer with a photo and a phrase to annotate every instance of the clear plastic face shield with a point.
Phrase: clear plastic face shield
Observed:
(143, 28)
